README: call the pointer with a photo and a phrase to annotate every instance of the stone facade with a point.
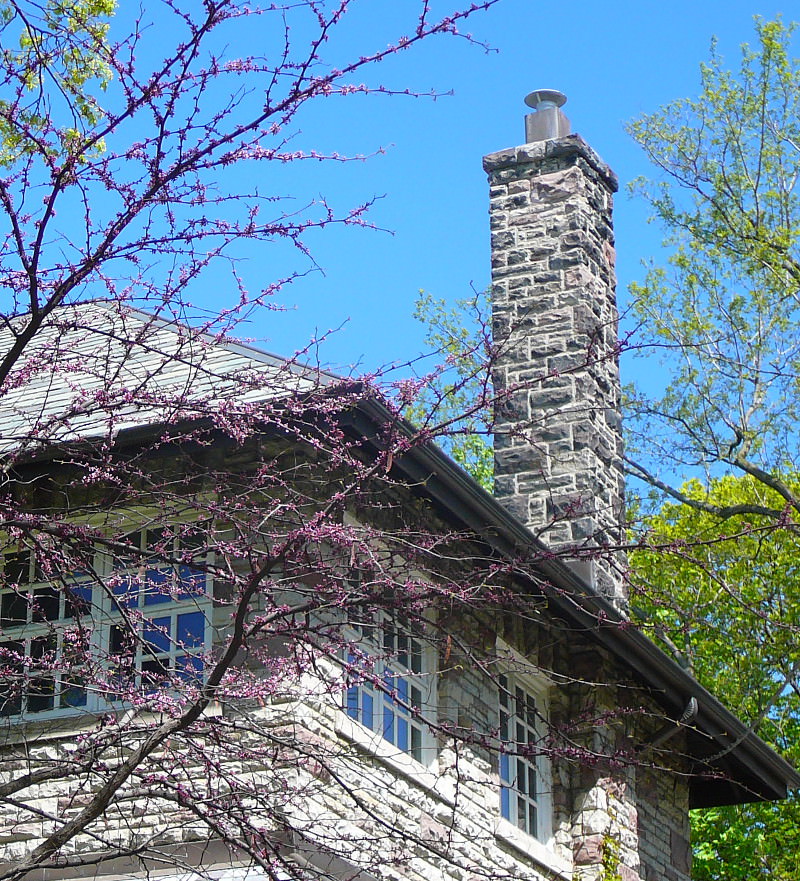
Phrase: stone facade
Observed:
(352, 799)
(558, 443)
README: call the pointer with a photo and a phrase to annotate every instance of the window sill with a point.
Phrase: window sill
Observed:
(62, 724)
(510, 835)
(398, 761)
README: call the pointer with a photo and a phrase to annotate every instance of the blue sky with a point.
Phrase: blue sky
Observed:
(614, 60)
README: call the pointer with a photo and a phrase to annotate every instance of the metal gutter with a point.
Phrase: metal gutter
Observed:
(746, 768)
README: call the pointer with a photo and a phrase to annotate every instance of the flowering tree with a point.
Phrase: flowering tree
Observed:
(238, 611)
(190, 530)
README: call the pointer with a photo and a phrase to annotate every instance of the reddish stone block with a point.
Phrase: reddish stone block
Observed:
(589, 850)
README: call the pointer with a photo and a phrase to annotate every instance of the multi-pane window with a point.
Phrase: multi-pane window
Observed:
(41, 664)
(391, 689)
(160, 629)
(523, 768)
(87, 641)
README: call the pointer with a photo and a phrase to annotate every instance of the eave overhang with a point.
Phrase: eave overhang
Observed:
(732, 765)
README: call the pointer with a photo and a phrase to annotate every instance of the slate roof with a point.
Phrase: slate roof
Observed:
(95, 370)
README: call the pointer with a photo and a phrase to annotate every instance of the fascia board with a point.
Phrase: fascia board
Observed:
(437, 475)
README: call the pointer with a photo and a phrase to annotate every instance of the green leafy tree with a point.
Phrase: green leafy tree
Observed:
(718, 581)
(723, 313)
(724, 599)
(456, 396)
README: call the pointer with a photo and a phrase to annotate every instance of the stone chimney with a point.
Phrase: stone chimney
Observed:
(558, 443)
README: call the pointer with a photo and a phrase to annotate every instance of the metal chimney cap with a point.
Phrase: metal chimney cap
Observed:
(541, 99)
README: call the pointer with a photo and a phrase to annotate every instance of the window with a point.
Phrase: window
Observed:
(134, 623)
(524, 770)
(393, 687)
(159, 629)
(41, 664)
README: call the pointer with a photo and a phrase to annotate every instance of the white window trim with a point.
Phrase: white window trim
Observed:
(523, 673)
(531, 848)
(371, 742)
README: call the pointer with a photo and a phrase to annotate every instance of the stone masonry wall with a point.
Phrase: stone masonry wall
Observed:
(630, 812)
(664, 845)
(558, 446)
(612, 820)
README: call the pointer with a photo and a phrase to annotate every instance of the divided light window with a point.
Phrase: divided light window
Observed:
(41, 663)
(523, 770)
(168, 604)
(393, 690)
(143, 621)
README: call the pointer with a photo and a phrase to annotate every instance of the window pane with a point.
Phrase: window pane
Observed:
(401, 686)
(368, 710)
(154, 669)
(189, 667)
(16, 567)
(157, 634)
(127, 592)
(352, 702)
(388, 721)
(191, 629)
(14, 608)
(41, 694)
(530, 711)
(192, 583)
(78, 600)
(416, 743)
(505, 767)
(12, 667)
(121, 641)
(533, 828)
(402, 650)
(402, 734)
(73, 694)
(157, 586)
(416, 656)
(46, 602)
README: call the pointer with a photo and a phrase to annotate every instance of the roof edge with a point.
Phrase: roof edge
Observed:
(480, 511)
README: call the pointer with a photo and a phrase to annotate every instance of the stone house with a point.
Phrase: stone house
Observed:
(386, 726)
